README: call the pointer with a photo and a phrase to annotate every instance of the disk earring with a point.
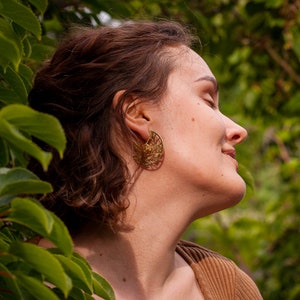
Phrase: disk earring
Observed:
(150, 155)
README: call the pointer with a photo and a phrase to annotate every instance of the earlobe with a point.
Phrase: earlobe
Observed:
(135, 113)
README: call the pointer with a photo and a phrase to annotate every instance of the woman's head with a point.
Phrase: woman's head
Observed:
(78, 85)
(199, 170)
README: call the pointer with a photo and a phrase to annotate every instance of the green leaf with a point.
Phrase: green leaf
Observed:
(40, 125)
(27, 76)
(102, 288)
(75, 294)
(41, 51)
(21, 15)
(35, 288)
(27, 48)
(18, 157)
(10, 46)
(16, 83)
(41, 5)
(30, 213)
(11, 134)
(43, 262)
(84, 265)
(60, 236)
(246, 175)
(19, 30)
(21, 181)
(79, 261)
(8, 285)
(8, 96)
(76, 273)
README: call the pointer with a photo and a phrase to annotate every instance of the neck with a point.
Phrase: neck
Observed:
(130, 260)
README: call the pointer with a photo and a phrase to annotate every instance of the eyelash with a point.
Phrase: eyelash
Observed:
(211, 104)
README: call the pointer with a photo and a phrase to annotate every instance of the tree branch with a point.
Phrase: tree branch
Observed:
(285, 66)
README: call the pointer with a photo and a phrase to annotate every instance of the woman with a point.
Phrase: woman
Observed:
(148, 153)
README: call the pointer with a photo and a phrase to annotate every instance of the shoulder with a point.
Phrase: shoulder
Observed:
(196, 252)
(218, 275)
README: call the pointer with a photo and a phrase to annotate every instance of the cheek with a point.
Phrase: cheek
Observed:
(192, 126)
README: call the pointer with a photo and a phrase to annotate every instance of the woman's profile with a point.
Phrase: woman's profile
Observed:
(148, 153)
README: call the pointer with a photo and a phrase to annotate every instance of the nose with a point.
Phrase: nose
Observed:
(235, 133)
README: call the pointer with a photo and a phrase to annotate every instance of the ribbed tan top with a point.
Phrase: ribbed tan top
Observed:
(219, 278)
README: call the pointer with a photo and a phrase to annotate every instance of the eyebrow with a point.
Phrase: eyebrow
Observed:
(211, 79)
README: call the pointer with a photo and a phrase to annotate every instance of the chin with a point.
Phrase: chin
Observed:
(236, 194)
(229, 198)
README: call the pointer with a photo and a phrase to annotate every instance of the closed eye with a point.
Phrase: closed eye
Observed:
(211, 103)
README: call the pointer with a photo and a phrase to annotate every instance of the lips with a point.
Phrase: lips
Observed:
(232, 154)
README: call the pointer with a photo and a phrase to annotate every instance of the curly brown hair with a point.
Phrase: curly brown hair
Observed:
(77, 85)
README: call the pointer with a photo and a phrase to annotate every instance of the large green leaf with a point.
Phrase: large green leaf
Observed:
(21, 15)
(102, 288)
(10, 46)
(84, 265)
(21, 181)
(42, 126)
(40, 52)
(35, 288)
(76, 273)
(60, 236)
(43, 262)
(13, 136)
(30, 213)
(41, 5)
(16, 83)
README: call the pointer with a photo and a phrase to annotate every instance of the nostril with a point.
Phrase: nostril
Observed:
(236, 137)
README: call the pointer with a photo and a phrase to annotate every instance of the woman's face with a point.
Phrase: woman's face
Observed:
(199, 140)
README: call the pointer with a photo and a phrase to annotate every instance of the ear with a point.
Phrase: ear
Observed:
(136, 114)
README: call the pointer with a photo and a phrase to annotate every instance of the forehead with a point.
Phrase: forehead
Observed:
(189, 64)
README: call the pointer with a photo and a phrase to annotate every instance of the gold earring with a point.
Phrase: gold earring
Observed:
(150, 155)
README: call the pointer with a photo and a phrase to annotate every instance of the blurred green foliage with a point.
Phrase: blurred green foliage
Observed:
(253, 48)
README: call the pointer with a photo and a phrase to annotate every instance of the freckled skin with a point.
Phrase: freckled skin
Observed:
(194, 155)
